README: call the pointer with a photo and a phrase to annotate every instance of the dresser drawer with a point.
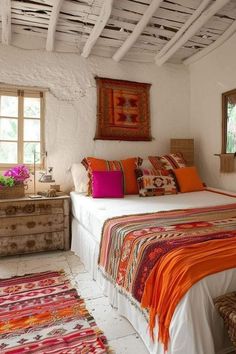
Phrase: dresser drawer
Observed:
(28, 225)
(24, 208)
(47, 241)
(34, 225)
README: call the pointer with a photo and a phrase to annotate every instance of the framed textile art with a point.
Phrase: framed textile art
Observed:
(123, 110)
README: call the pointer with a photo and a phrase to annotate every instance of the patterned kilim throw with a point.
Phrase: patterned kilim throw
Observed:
(41, 313)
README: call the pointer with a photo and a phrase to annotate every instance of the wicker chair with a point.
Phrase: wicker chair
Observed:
(226, 306)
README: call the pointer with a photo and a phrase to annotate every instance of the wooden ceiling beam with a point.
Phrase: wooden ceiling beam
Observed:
(98, 27)
(220, 40)
(53, 24)
(5, 9)
(185, 26)
(120, 53)
(200, 21)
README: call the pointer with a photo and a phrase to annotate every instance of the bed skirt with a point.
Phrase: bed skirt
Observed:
(205, 335)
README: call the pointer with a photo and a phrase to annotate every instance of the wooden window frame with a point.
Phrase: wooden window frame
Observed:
(22, 92)
(224, 119)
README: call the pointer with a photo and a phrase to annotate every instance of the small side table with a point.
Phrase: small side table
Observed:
(34, 225)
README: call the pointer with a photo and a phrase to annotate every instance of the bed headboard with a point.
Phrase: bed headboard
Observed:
(186, 146)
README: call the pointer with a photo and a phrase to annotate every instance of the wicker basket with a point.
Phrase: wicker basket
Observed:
(226, 306)
(17, 191)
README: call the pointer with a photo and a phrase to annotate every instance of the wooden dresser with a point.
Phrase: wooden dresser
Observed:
(34, 225)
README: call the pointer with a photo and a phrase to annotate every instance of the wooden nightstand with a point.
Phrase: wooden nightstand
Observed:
(34, 225)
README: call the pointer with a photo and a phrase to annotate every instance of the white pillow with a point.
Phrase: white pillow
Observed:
(80, 177)
(146, 164)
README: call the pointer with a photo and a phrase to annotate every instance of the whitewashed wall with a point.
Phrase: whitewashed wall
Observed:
(210, 77)
(71, 103)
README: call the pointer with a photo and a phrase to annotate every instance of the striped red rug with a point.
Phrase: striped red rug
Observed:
(42, 313)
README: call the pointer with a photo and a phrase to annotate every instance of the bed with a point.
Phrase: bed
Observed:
(195, 327)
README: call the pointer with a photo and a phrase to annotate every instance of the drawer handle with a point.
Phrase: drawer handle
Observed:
(13, 245)
(48, 241)
(30, 243)
(45, 206)
(29, 208)
(31, 224)
(11, 210)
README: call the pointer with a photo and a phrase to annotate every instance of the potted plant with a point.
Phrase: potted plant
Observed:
(13, 182)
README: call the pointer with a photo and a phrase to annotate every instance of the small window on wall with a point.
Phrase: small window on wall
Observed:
(21, 126)
(229, 122)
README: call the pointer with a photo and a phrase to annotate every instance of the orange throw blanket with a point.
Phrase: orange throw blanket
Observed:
(176, 272)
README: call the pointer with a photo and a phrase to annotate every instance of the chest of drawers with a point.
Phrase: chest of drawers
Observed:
(34, 225)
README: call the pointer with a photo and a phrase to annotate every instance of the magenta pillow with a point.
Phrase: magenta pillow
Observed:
(107, 184)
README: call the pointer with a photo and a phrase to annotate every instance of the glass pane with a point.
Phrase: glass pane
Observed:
(9, 106)
(231, 127)
(31, 150)
(31, 107)
(32, 129)
(8, 129)
(8, 152)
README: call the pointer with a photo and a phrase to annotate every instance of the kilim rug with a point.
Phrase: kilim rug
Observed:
(42, 313)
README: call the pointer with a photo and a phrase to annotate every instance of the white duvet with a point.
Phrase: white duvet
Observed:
(92, 213)
(196, 328)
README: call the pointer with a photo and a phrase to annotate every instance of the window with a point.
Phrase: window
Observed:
(229, 122)
(21, 126)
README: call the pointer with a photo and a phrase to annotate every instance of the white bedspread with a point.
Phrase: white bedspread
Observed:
(91, 213)
(196, 328)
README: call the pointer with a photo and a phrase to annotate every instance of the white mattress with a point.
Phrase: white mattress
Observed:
(91, 213)
(195, 327)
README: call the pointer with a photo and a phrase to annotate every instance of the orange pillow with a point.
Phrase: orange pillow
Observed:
(127, 166)
(188, 179)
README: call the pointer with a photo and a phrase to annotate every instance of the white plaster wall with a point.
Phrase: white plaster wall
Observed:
(209, 78)
(71, 103)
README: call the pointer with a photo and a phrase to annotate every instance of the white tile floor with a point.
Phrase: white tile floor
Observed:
(120, 334)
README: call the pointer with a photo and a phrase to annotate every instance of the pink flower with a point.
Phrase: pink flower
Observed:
(19, 173)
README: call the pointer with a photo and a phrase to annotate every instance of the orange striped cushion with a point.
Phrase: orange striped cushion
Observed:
(127, 166)
(168, 162)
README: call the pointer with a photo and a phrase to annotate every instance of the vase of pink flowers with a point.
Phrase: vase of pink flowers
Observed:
(13, 182)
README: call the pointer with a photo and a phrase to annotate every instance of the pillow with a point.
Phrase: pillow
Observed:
(155, 182)
(168, 162)
(188, 179)
(127, 166)
(107, 184)
(146, 163)
(80, 177)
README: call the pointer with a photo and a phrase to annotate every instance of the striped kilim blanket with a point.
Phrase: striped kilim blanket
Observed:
(176, 272)
(42, 313)
(132, 245)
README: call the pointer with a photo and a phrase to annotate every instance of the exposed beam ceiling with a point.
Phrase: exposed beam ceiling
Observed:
(204, 17)
(187, 24)
(98, 28)
(137, 30)
(5, 8)
(53, 24)
(227, 34)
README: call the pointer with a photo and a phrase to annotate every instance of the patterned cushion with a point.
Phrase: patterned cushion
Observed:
(153, 182)
(127, 166)
(168, 162)
(226, 306)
